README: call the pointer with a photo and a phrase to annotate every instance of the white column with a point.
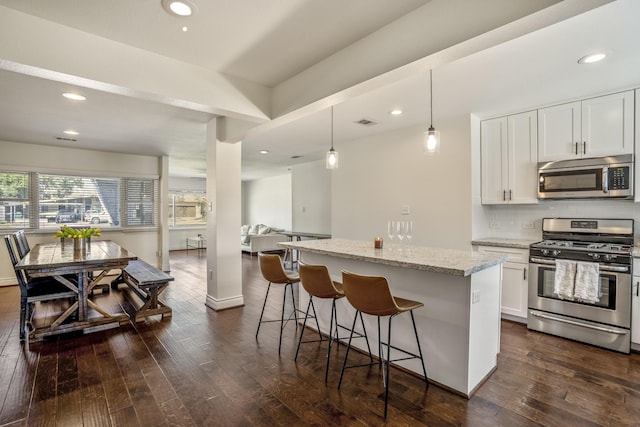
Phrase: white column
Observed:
(224, 262)
(163, 236)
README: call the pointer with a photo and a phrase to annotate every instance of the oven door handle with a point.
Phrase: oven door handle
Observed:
(613, 268)
(584, 325)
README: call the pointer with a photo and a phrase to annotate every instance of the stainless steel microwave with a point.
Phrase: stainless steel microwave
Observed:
(600, 177)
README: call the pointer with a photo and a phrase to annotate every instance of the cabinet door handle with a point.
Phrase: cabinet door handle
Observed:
(638, 289)
(576, 148)
(504, 195)
(510, 195)
(584, 147)
(524, 273)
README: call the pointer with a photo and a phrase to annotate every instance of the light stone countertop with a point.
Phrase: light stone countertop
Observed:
(436, 260)
(636, 252)
(505, 243)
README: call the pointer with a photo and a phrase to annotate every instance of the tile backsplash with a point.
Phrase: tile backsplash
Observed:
(525, 221)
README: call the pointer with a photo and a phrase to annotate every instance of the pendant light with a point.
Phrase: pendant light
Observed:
(431, 136)
(332, 154)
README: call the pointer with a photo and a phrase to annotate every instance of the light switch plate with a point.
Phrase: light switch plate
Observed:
(475, 296)
(405, 210)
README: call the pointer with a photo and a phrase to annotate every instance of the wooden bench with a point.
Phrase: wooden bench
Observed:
(147, 282)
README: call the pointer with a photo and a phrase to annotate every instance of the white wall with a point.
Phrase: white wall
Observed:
(311, 197)
(47, 159)
(508, 220)
(267, 201)
(380, 174)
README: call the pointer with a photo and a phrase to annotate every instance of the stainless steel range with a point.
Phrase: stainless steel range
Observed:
(580, 281)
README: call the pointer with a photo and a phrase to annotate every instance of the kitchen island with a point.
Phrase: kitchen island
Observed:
(459, 325)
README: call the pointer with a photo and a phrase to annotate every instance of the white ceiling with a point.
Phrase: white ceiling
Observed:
(533, 70)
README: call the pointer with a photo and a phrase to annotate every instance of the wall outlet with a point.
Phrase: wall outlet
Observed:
(475, 296)
(495, 224)
(405, 210)
(528, 225)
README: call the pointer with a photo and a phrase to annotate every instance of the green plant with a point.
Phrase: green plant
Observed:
(77, 233)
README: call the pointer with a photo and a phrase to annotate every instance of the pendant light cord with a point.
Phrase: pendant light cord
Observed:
(431, 95)
(332, 127)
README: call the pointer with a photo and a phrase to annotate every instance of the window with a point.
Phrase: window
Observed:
(140, 201)
(74, 200)
(187, 209)
(14, 200)
(46, 201)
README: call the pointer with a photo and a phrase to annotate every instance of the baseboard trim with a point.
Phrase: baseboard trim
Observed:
(223, 304)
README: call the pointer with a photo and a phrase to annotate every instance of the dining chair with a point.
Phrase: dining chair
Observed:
(22, 244)
(34, 290)
(371, 295)
(273, 271)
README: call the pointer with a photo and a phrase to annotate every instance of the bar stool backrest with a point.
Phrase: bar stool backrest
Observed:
(272, 269)
(369, 294)
(316, 280)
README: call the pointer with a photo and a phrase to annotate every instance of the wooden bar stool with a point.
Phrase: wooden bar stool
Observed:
(371, 295)
(273, 271)
(316, 281)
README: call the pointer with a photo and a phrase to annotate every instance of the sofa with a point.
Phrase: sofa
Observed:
(260, 238)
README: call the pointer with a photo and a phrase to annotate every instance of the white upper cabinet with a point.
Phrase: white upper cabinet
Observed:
(636, 157)
(508, 148)
(594, 127)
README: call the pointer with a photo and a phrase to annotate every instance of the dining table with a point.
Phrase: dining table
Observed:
(80, 271)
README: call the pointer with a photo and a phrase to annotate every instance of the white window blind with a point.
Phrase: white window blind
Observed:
(140, 201)
(14, 199)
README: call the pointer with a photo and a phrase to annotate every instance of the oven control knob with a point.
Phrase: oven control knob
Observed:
(595, 256)
(555, 253)
(545, 252)
(607, 257)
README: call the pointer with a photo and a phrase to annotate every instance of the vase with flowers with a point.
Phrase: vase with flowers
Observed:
(81, 236)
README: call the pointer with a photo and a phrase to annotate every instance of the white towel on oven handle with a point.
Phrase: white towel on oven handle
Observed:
(587, 287)
(564, 280)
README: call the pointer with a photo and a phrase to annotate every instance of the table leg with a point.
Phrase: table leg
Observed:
(82, 296)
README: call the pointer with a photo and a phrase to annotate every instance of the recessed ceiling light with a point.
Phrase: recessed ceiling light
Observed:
(592, 57)
(71, 132)
(185, 29)
(74, 96)
(396, 112)
(179, 8)
(264, 151)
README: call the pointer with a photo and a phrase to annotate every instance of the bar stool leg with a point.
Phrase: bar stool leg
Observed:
(304, 323)
(293, 302)
(346, 354)
(334, 319)
(380, 353)
(386, 368)
(366, 338)
(415, 331)
(264, 304)
(284, 299)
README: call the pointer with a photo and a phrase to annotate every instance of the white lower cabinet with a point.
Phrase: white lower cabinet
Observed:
(515, 281)
(635, 310)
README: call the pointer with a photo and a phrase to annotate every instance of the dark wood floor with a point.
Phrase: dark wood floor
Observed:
(206, 368)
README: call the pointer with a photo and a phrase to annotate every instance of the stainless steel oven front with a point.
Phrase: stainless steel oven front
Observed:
(605, 323)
